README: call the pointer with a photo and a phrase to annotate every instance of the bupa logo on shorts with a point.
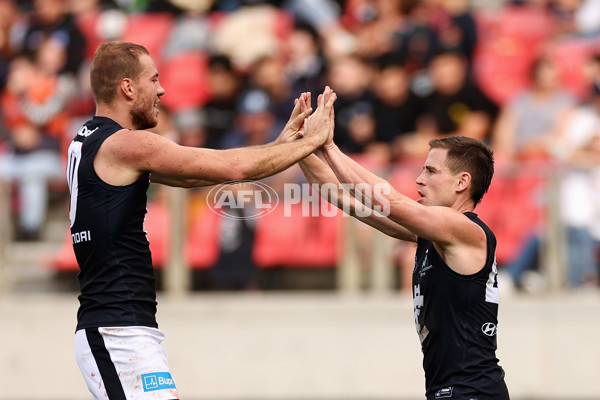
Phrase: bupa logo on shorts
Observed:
(157, 381)
(444, 393)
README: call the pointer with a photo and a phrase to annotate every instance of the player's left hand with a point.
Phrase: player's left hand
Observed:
(294, 129)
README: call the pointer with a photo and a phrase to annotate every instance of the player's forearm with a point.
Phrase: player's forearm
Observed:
(260, 162)
(318, 172)
(349, 171)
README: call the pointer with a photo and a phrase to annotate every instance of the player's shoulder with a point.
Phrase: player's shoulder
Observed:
(134, 145)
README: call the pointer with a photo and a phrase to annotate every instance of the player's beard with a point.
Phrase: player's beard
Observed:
(143, 114)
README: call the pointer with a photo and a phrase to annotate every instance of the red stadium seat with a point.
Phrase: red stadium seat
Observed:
(151, 30)
(514, 210)
(184, 78)
(509, 43)
(64, 259)
(403, 178)
(202, 245)
(156, 225)
(570, 56)
(158, 231)
(295, 240)
(531, 25)
(512, 207)
(87, 24)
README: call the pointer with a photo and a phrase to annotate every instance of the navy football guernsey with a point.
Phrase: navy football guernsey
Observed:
(456, 317)
(116, 275)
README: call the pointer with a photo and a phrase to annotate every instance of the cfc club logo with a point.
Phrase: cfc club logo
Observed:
(489, 329)
(242, 199)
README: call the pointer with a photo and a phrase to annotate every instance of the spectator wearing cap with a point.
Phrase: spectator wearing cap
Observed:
(269, 75)
(255, 122)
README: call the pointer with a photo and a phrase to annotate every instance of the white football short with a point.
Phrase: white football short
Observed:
(124, 363)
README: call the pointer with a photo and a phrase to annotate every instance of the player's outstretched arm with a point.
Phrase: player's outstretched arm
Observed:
(136, 152)
(318, 172)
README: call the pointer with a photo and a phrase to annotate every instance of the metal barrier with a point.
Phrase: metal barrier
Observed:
(5, 235)
(355, 273)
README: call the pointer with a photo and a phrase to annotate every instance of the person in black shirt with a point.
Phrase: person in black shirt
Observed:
(455, 279)
(110, 164)
(455, 107)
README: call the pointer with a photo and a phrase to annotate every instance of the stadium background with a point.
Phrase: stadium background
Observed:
(302, 307)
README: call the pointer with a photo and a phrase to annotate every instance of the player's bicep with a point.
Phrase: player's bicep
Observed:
(387, 226)
(441, 225)
(179, 182)
(173, 164)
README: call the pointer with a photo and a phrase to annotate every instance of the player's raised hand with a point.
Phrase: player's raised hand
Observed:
(329, 141)
(318, 125)
(294, 128)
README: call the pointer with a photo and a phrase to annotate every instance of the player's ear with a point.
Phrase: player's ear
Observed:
(464, 181)
(127, 87)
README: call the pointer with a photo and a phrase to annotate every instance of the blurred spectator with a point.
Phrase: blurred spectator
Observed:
(247, 35)
(576, 17)
(255, 122)
(530, 124)
(52, 19)
(191, 31)
(324, 16)
(235, 268)
(218, 114)
(523, 272)
(579, 148)
(350, 76)
(416, 43)
(396, 106)
(456, 29)
(591, 68)
(361, 127)
(457, 106)
(305, 66)
(268, 74)
(189, 125)
(12, 26)
(381, 24)
(34, 156)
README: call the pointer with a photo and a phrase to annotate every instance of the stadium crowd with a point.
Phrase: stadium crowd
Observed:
(523, 75)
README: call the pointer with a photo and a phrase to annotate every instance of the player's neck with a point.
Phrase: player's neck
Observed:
(118, 114)
(463, 205)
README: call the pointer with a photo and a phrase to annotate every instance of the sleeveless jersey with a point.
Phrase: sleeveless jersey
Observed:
(456, 317)
(107, 229)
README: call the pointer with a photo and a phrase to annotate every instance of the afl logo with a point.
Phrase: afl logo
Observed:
(256, 198)
(489, 329)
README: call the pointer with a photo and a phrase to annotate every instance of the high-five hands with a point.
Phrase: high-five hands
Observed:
(301, 120)
(320, 123)
(294, 128)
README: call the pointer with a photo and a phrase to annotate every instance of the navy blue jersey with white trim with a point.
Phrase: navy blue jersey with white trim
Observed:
(456, 317)
(107, 228)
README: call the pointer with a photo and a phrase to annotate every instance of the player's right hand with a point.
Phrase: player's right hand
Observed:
(319, 124)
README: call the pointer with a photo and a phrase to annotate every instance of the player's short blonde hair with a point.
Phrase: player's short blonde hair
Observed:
(114, 61)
